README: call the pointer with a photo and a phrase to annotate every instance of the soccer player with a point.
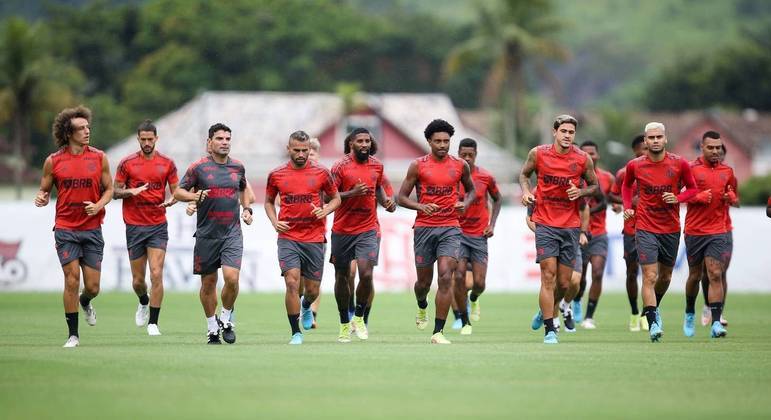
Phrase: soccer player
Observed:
(220, 182)
(82, 178)
(300, 183)
(596, 251)
(706, 231)
(355, 232)
(559, 166)
(477, 224)
(436, 176)
(659, 175)
(140, 180)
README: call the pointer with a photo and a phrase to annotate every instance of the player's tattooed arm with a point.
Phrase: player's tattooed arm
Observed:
(468, 185)
(120, 191)
(46, 183)
(590, 177)
(524, 178)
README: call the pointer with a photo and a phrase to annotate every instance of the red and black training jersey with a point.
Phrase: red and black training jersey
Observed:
(712, 218)
(219, 213)
(477, 216)
(597, 224)
(555, 171)
(616, 189)
(78, 178)
(134, 171)
(438, 182)
(653, 180)
(300, 190)
(358, 214)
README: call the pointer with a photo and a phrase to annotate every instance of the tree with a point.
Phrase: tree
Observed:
(511, 35)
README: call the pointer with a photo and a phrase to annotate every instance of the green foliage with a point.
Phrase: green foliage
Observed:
(755, 190)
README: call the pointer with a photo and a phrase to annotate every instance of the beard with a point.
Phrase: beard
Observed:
(361, 155)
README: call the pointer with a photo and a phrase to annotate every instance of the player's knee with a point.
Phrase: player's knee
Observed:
(92, 289)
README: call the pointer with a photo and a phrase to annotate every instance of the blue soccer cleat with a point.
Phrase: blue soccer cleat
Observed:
(688, 327)
(550, 338)
(297, 338)
(718, 330)
(306, 315)
(655, 332)
(457, 324)
(578, 314)
(658, 319)
(537, 322)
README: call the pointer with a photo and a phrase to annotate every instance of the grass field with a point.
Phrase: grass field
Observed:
(502, 370)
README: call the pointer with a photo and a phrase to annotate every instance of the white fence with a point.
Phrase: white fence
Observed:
(28, 260)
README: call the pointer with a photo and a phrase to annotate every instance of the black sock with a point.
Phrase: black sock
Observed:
(294, 322)
(464, 318)
(438, 325)
(591, 306)
(315, 315)
(85, 300)
(690, 303)
(473, 297)
(359, 311)
(423, 304)
(633, 305)
(548, 325)
(154, 312)
(306, 303)
(366, 314)
(457, 314)
(344, 318)
(717, 310)
(650, 314)
(144, 299)
(659, 297)
(72, 322)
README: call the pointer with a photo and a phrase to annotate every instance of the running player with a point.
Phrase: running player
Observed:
(436, 177)
(140, 180)
(82, 178)
(355, 233)
(706, 231)
(596, 251)
(220, 182)
(477, 224)
(659, 176)
(559, 167)
(300, 226)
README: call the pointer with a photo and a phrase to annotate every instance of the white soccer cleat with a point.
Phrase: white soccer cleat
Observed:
(152, 329)
(90, 314)
(588, 324)
(142, 315)
(73, 341)
(706, 316)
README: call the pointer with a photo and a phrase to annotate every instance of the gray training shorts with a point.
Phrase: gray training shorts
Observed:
(210, 254)
(307, 256)
(598, 245)
(433, 242)
(473, 249)
(657, 247)
(561, 243)
(346, 248)
(139, 238)
(716, 246)
(85, 245)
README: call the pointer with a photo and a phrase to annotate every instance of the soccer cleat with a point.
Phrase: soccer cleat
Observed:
(297, 338)
(655, 332)
(228, 332)
(688, 328)
(345, 333)
(142, 315)
(550, 338)
(213, 337)
(588, 324)
(90, 314)
(634, 323)
(537, 321)
(570, 325)
(658, 319)
(475, 311)
(466, 330)
(723, 321)
(556, 321)
(644, 323)
(718, 330)
(421, 319)
(706, 316)
(439, 338)
(457, 324)
(306, 315)
(152, 329)
(578, 314)
(361, 328)
(73, 341)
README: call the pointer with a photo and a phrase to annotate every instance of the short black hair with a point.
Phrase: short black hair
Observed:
(147, 125)
(438, 126)
(710, 135)
(565, 119)
(352, 134)
(637, 140)
(467, 142)
(725, 151)
(217, 127)
(589, 143)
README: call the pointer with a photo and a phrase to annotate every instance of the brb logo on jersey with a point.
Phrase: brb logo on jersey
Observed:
(12, 270)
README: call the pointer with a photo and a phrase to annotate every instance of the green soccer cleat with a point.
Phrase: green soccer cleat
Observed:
(360, 328)
(644, 323)
(466, 330)
(476, 311)
(421, 319)
(345, 333)
(634, 323)
(439, 338)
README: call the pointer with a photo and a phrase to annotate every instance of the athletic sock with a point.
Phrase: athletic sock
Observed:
(423, 304)
(294, 323)
(366, 314)
(457, 314)
(225, 315)
(548, 325)
(154, 313)
(144, 299)
(473, 297)
(438, 325)
(591, 306)
(633, 305)
(212, 324)
(72, 322)
(306, 303)
(359, 311)
(659, 297)
(717, 310)
(85, 300)
(690, 303)
(464, 318)
(315, 315)
(650, 314)
(344, 319)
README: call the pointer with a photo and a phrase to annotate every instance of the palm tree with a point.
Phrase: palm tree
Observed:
(511, 35)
